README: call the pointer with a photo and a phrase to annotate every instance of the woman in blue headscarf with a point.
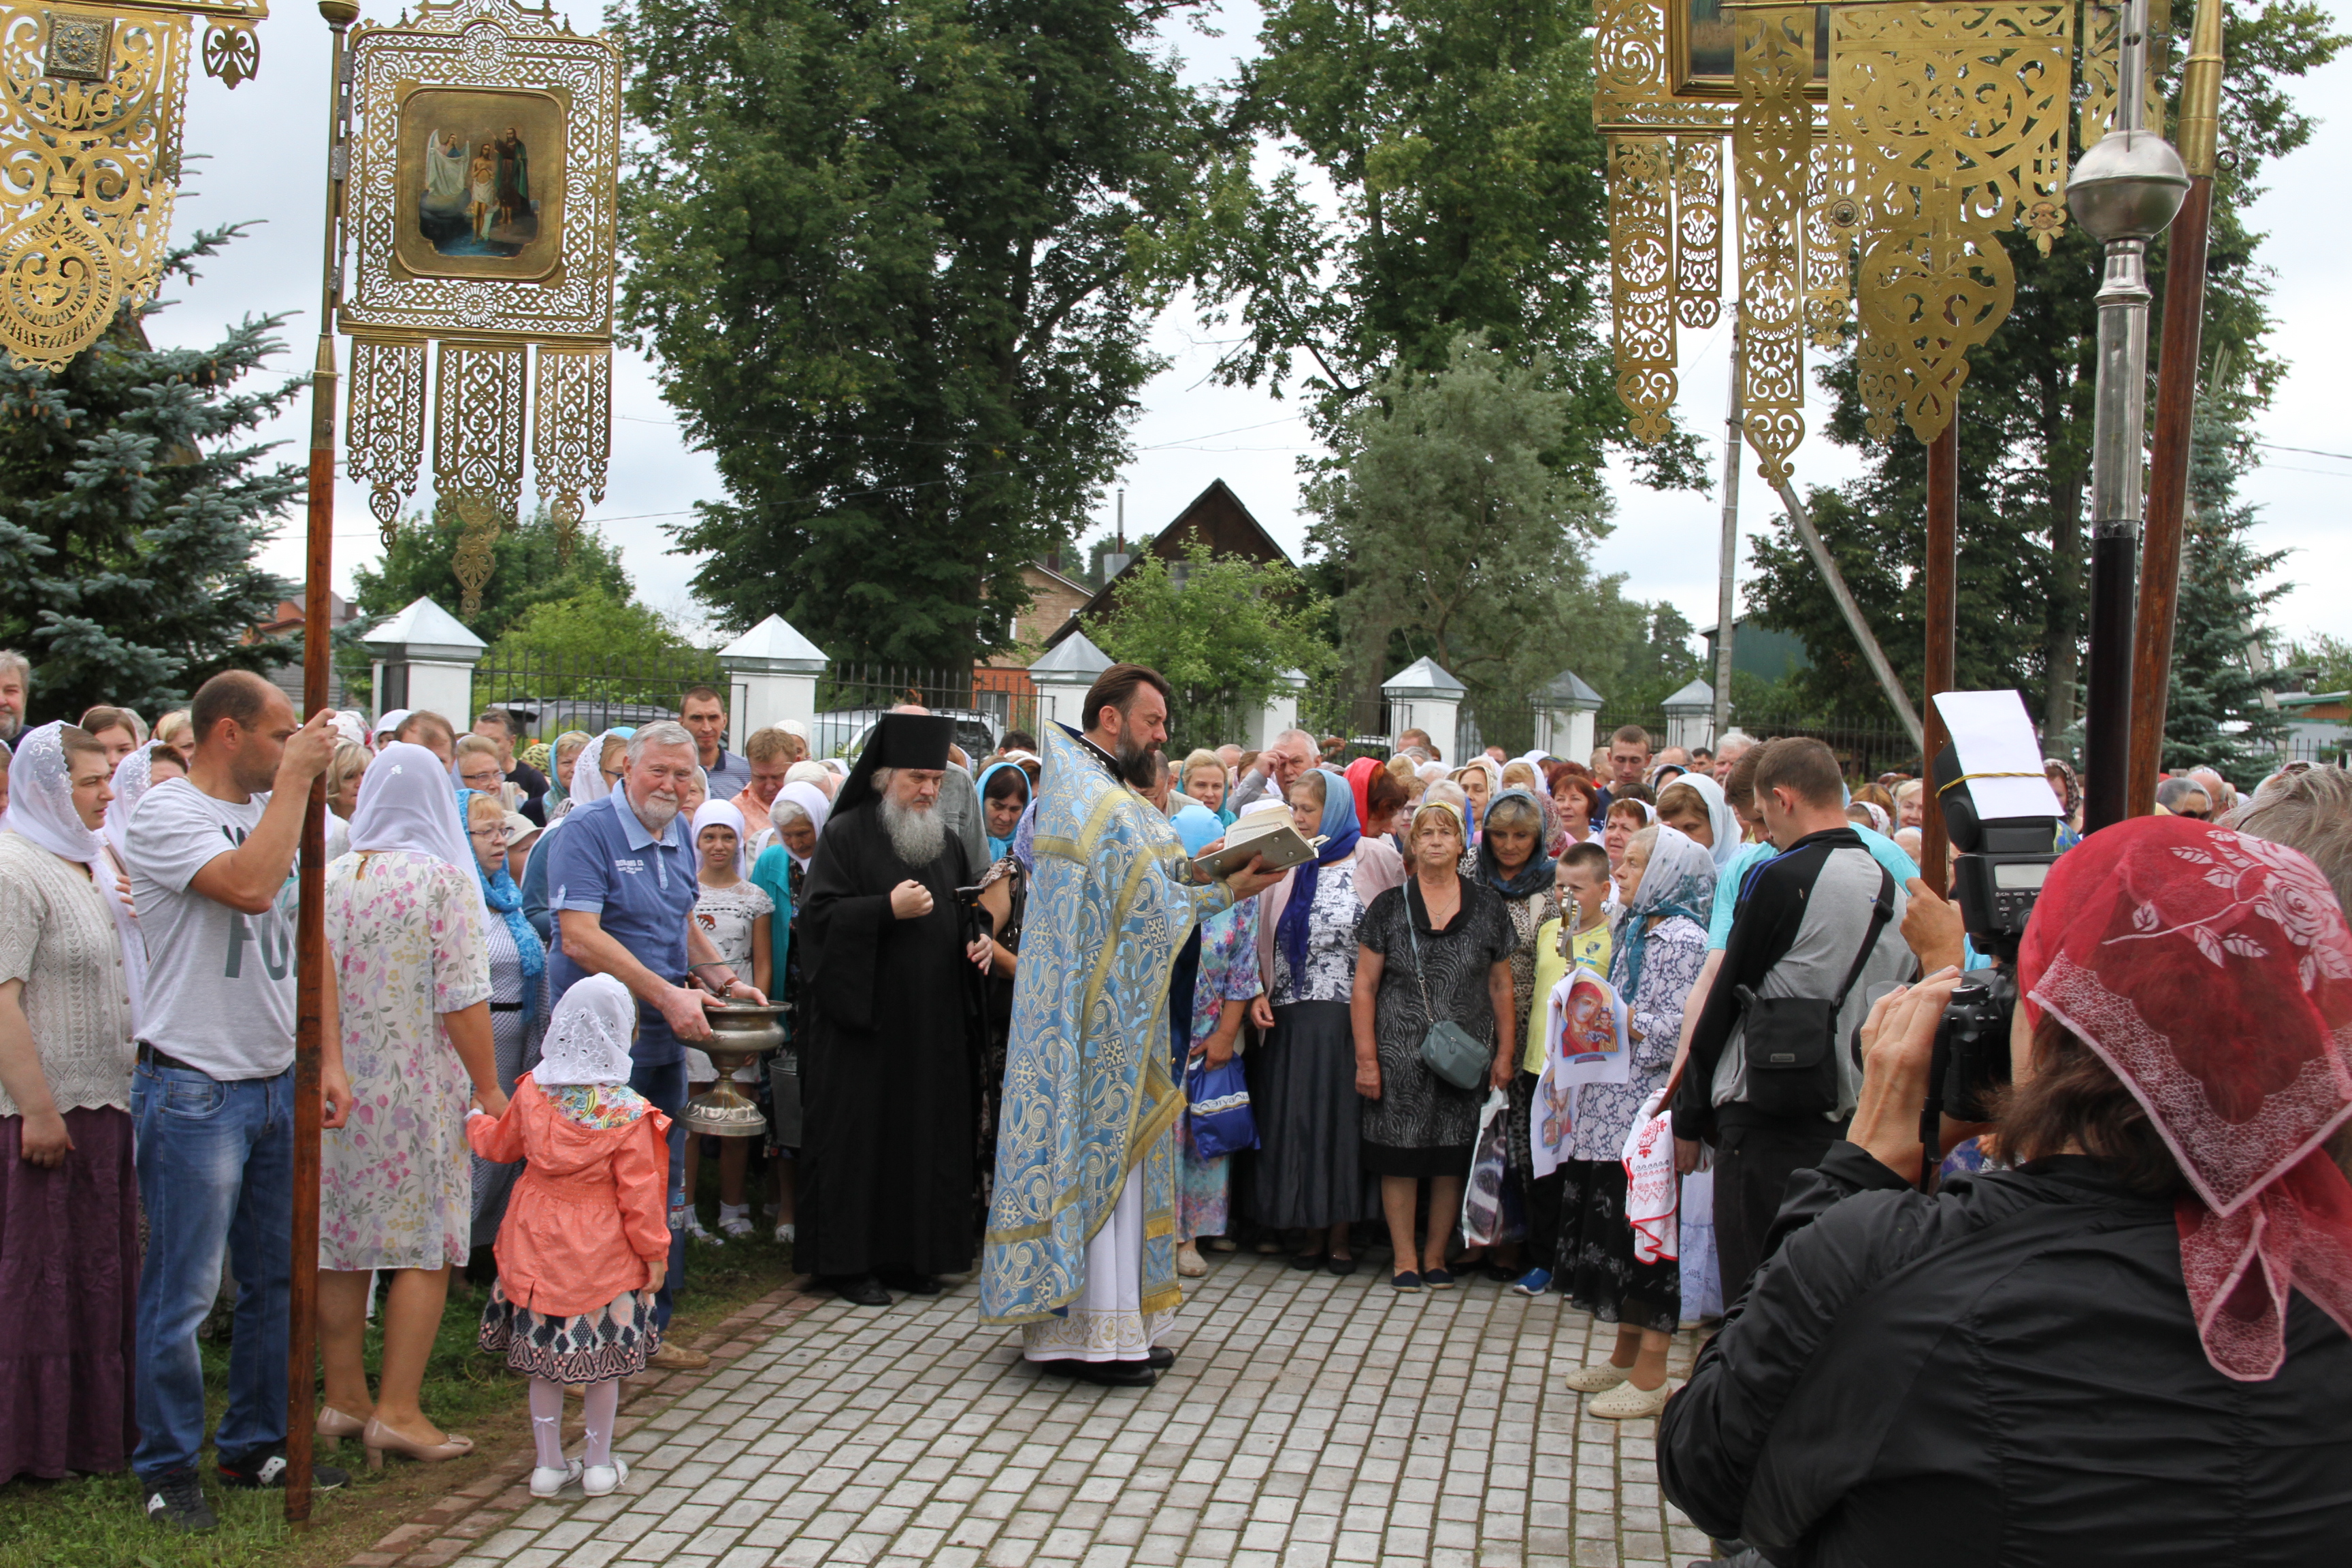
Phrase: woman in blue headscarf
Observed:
(1668, 884)
(1004, 795)
(1303, 1083)
(519, 1005)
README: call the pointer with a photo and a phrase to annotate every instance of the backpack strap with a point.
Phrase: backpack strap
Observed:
(1880, 913)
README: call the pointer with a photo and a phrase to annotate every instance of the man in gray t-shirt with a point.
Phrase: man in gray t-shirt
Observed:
(212, 1096)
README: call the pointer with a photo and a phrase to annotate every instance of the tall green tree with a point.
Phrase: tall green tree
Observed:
(884, 256)
(2026, 424)
(1222, 629)
(2214, 714)
(1460, 535)
(133, 502)
(528, 569)
(1457, 137)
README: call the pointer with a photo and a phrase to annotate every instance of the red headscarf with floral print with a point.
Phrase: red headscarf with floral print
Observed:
(2212, 971)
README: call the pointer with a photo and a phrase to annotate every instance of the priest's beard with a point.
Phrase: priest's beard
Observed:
(1138, 764)
(917, 835)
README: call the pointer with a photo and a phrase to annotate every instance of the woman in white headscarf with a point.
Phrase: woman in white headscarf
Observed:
(594, 772)
(1695, 804)
(780, 871)
(134, 775)
(69, 1273)
(411, 965)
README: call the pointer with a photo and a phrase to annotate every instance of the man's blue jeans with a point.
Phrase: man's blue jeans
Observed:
(216, 1173)
(663, 1083)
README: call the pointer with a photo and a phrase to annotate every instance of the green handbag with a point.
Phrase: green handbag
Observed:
(1449, 1051)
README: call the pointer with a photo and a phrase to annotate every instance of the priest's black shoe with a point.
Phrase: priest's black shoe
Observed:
(1159, 1359)
(1119, 1373)
(861, 1290)
(913, 1284)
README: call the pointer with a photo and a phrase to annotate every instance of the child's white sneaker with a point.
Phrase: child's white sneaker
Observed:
(786, 1232)
(599, 1480)
(735, 1221)
(694, 1231)
(545, 1482)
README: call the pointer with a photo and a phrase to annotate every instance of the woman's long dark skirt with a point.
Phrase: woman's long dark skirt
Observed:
(1303, 1096)
(69, 1295)
(1595, 1267)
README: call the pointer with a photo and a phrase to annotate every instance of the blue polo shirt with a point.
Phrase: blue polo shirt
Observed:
(602, 861)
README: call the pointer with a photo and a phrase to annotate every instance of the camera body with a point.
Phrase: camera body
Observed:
(1998, 871)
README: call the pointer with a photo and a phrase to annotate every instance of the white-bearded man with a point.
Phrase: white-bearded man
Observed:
(891, 1028)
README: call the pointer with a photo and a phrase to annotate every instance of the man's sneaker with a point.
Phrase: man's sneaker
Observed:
(176, 1500)
(266, 1471)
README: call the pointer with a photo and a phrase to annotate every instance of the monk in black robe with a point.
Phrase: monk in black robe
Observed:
(892, 1026)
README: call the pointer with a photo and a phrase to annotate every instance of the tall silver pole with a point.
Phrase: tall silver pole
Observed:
(1722, 605)
(2123, 192)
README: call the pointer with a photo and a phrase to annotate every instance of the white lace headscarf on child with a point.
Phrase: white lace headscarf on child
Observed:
(588, 1039)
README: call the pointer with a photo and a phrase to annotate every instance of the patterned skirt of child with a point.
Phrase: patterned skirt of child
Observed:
(587, 1347)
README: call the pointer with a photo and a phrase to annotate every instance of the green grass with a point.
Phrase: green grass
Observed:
(95, 1522)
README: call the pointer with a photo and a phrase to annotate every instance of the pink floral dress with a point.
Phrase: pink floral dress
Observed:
(397, 1182)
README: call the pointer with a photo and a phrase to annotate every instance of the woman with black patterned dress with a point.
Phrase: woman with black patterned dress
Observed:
(1438, 948)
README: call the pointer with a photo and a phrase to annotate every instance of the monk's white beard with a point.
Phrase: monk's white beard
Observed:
(916, 834)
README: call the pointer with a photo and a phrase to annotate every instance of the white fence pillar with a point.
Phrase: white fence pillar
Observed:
(1564, 711)
(778, 669)
(1280, 712)
(1422, 696)
(1690, 716)
(1062, 678)
(428, 659)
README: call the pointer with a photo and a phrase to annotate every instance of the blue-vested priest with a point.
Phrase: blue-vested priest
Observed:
(1080, 1249)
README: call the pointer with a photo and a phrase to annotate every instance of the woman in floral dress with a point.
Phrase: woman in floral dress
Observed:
(405, 930)
(1667, 883)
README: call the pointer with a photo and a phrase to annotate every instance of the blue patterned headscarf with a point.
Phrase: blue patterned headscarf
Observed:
(1678, 880)
(998, 849)
(1340, 831)
(505, 899)
(1532, 876)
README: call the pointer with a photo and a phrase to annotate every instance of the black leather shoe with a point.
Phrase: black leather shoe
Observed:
(1059, 1366)
(1119, 1373)
(913, 1284)
(1159, 1358)
(863, 1292)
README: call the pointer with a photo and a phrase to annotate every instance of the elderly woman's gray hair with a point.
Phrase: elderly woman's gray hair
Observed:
(2310, 810)
(660, 732)
(1514, 812)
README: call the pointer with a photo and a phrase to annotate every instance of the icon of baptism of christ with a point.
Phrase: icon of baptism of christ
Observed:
(481, 181)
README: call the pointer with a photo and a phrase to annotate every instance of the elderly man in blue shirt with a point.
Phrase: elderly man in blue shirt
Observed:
(621, 880)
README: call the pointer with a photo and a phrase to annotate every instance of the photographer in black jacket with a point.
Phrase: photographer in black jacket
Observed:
(2075, 1362)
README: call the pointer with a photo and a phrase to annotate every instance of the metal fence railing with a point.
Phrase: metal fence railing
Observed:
(984, 703)
(547, 695)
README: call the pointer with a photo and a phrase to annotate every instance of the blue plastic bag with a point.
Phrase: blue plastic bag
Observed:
(1219, 1104)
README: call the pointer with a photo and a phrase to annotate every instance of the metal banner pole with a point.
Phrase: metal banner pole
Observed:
(311, 921)
(1943, 631)
(1724, 609)
(2176, 410)
(2124, 191)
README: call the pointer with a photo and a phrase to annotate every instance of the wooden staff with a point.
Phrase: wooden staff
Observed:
(1941, 573)
(311, 921)
(2176, 412)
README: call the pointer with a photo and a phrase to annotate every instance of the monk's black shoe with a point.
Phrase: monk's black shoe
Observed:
(1160, 1358)
(1119, 1373)
(913, 1284)
(864, 1291)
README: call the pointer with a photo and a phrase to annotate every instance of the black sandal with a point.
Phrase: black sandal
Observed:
(1307, 1260)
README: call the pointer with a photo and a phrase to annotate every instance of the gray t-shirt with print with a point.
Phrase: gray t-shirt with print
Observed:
(220, 982)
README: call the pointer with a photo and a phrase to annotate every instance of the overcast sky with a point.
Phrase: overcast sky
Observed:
(1190, 431)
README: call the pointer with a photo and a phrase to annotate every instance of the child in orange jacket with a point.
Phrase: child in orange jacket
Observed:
(586, 1234)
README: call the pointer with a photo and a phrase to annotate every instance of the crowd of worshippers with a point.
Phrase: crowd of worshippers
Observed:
(526, 940)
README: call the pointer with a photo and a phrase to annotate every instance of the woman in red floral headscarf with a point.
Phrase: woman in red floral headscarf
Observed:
(2077, 1360)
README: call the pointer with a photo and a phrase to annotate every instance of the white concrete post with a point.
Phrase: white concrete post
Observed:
(1062, 678)
(779, 669)
(1564, 711)
(1690, 716)
(428, 658)
(1422, 696)
(1280, 712)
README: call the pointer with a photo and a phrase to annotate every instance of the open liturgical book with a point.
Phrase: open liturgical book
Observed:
(1265, 829)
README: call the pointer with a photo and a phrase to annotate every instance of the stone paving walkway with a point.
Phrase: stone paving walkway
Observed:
(1309, 1420)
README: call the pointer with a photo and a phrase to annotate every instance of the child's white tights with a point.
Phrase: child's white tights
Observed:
(547, 1422)
(604, 1403)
